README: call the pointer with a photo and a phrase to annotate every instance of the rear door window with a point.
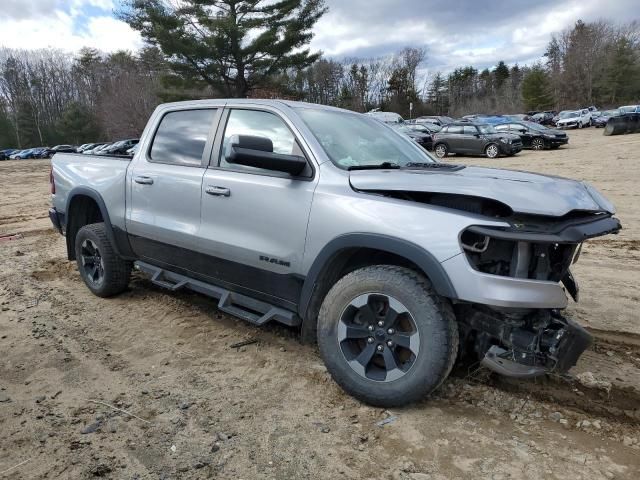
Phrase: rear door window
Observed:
(457, 129)
(470, 130)
(181, 137)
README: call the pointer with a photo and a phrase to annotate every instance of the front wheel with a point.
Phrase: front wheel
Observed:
(385, 336)
(492, 150)
(537, 144)
(101, 268)
(441, 150)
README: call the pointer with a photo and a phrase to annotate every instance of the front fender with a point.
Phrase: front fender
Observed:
(400, 247)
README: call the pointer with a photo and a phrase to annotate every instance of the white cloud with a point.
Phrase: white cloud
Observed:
(57, 29)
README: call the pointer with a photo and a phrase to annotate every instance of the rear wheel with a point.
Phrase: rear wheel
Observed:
(492, 150)
(441, 150)
(385, 336)
(101, 268)
(537, 144)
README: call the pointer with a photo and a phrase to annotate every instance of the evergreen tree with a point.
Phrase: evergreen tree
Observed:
(535, 89)
(622, 79)
(501, 73)
(230, 45)
(77, 125)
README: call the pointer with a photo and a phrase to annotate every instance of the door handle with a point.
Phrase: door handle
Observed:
(143, 180)
(218, 191)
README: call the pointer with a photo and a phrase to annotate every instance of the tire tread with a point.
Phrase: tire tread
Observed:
(443, 313)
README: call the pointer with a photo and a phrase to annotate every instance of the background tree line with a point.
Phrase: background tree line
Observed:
(49, 97)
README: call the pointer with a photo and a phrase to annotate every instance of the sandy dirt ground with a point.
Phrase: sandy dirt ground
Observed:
(147, 385)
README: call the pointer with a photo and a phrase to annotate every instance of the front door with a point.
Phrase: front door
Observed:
(163, 210)
(254, 221)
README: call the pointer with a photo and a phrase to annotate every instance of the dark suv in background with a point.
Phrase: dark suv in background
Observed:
(475, 139)
(535, 136)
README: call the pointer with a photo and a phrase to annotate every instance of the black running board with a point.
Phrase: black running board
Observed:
(249, 309)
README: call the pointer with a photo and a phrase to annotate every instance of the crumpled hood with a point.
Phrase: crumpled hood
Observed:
(523, 192)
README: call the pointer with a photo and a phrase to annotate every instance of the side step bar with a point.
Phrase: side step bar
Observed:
(249, 309)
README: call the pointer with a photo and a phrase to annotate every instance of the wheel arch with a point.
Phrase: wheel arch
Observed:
(85, 206)
(349, 252)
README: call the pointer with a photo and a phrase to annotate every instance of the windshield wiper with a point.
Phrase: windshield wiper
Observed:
(382, 165)
(435, 165)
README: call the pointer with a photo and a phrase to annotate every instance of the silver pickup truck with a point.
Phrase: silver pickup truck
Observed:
(330, 221)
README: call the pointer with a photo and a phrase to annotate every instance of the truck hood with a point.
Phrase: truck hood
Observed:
(523, 192)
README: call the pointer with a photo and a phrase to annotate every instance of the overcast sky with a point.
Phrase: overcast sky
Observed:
(455, 32)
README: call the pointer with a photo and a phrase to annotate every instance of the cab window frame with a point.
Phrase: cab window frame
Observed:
(213, 127)
(214, 160)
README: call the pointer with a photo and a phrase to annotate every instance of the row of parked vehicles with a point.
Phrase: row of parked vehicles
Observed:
(475, 135)
(494, 135)
(121, 147)
(580, 118)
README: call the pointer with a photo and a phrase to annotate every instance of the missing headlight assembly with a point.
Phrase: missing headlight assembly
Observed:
(528, 342)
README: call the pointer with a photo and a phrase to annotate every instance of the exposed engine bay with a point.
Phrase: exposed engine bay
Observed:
(525, 342)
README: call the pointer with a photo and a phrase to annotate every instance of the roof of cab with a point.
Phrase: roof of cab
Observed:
(220, 102)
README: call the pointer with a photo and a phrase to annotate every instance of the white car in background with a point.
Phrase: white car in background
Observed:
(629, 109)
(575, 118)
(386, 117)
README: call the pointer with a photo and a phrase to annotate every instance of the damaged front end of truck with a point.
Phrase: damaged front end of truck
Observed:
(509, 277)
(528, 342)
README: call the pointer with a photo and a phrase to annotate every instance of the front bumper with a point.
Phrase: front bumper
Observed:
(510, 148)
(57, 219)
(500, 291)
(558, 141)
(567, 125)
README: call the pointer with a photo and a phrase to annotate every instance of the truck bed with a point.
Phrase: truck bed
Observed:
(105, 174)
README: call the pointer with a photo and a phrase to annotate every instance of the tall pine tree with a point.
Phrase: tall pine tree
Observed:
(230, 45)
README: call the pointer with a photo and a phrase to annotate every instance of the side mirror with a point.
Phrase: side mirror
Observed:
(257, 152)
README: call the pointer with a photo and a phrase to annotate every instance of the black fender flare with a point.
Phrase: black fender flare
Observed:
(119, 242)
(397, 246)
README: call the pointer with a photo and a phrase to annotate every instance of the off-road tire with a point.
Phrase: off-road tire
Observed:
(434, 320)
(116, 272)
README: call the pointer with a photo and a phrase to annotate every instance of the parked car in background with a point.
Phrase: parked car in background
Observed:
(423, 139)
(534, 135)
(436, 119)
(96, 149)
(120, 147)
(60, 149)
(600, 119)
(629, 109)
(22, 154)
(575, 118)
(386, 117)
(475, 139)
(132, 151)
(492, 119)
(87, 146)
(544, 118)
(7, 152)
(425, 127)
(516, 117)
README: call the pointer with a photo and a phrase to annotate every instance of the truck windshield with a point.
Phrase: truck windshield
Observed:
(355, 140)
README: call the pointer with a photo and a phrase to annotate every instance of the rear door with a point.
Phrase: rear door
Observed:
(254, 221)
(471, 141)
(165, 181)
